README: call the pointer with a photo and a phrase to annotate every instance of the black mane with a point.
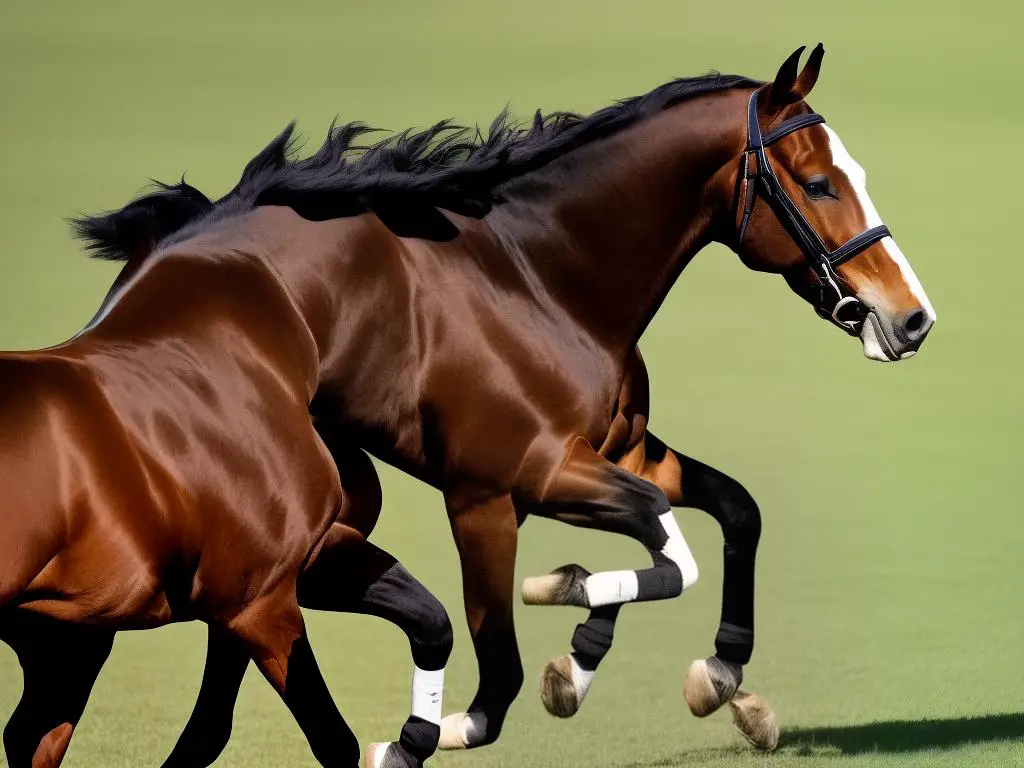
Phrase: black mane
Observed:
(404, 179)
(139, 226)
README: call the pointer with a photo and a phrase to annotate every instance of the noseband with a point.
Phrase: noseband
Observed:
(761, 178)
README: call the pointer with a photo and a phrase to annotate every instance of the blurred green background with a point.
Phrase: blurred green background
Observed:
(890, 618)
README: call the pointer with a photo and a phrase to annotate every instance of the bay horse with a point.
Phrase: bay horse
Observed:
(476, 306)
(163, 466)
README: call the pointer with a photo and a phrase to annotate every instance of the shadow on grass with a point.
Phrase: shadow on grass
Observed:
(905, 735)
(889, 737)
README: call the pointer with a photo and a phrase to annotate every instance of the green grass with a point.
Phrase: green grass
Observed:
(890, 619)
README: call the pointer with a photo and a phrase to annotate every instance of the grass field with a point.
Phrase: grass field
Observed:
(891, 620)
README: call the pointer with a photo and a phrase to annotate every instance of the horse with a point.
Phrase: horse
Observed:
(162, 466)
(476, 305)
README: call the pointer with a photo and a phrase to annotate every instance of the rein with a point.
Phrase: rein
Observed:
(758, 176)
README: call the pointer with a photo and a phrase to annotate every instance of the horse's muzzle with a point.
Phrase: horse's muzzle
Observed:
(889, 338)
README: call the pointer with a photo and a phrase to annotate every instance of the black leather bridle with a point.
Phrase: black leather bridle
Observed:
(761, 178)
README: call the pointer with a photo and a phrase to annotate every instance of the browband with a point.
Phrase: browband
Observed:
(793, 124)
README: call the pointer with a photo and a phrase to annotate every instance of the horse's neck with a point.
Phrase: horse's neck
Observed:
(608, 227)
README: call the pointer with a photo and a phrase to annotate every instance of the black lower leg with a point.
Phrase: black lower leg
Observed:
(60, 664)
(401, 599)
(501, 678)
(358, 577)
(735, 639)
(593, 639)
(737, 513)
(404, 601)
(417, 742)
(209, 727)
(306, 695)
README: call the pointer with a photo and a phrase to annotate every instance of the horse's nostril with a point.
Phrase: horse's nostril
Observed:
(914, 324)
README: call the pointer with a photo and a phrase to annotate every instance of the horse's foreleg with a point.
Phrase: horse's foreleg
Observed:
(209, 727)
(486, 535)
(352, 575)
(712, 682)
(591, 492)
(274, 633)
(60, 664)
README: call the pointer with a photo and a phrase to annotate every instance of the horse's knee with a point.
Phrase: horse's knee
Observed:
(734, 508)
(269, 630)
(432, 644)
(742, 515)
(426, 620)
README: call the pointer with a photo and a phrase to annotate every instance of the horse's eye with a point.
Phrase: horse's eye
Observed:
(820, 186)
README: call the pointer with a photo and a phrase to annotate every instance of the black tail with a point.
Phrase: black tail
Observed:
(138, 227)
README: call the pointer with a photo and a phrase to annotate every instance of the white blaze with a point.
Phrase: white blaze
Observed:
(858, 181)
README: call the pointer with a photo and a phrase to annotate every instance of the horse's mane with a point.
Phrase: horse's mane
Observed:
(403, 178)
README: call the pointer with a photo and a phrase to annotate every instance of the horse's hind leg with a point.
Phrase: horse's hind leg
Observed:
(351, 575)
(60, 664)
(274, 633)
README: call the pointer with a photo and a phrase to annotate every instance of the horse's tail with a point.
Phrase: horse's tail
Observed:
(136, 229)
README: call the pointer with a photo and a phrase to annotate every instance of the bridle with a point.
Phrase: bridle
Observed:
(821, 260)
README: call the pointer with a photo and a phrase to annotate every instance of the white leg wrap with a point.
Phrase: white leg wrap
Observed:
(677, 550)
(581, 680)
(612, 588)
(617, 587)
(427, 691)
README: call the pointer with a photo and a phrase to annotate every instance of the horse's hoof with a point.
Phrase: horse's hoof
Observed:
(455, 731)
(563, 586)
(386, 756)
(754, 718)
(563, 685)
(709, 684)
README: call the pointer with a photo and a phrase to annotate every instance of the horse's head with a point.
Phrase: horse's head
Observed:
(803, 211)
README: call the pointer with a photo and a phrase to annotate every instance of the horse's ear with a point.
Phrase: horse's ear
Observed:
(788, 87)
(809, 74)
(780, 90)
